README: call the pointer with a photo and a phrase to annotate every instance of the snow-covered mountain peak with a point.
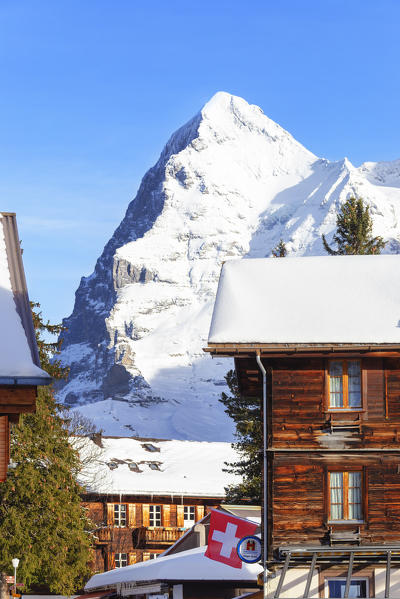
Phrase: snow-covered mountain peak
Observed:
(229, 184)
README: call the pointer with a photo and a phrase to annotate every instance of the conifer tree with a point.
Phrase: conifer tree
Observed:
(280, 251)
(354, 231)
(41, 518)
(246, 413)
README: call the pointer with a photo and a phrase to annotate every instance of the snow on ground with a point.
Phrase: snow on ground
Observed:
(170, 467)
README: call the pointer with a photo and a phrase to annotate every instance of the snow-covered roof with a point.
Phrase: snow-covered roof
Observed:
(187, 565)
(19, 361)
(125, 465)
(330, 299)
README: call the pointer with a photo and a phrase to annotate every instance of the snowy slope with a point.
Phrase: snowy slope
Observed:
(229, 184)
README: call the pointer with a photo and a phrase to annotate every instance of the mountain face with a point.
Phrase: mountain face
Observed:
(229, 184)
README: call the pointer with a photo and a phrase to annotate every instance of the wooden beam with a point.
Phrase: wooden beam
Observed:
(17, 400)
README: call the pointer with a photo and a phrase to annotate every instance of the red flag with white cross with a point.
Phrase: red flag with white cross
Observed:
(225, 533)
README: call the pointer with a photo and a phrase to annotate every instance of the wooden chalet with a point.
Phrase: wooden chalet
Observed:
(323, 335)
(144, 494)
(20, 371)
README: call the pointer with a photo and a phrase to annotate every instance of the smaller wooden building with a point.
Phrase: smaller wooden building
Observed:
(144, 494)
(183, 572)
(20, 372)
(185, 575)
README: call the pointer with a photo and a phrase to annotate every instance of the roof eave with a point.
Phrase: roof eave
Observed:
(25, 381)
(240, 349)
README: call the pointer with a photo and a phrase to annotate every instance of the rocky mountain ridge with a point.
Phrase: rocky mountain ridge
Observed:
(228, 185)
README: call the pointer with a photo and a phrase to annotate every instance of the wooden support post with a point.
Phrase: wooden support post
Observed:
(387, 583)
(349, 573)
(310, 575)
(282, 576)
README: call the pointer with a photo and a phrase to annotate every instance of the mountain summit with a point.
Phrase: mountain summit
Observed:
(229, 184)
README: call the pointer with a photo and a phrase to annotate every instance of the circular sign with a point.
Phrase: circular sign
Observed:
(249, 549)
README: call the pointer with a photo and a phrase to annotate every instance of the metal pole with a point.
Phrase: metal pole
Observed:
(349, 575)
(265, 475)
(15, 563)
(282, 576)
(310, 576)
(387, 581)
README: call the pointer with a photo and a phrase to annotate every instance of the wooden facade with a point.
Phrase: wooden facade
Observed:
(309, 443)
(13, 402)
(151, 524)
(308, 439)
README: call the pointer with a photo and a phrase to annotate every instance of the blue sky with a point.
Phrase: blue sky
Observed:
(92, 89)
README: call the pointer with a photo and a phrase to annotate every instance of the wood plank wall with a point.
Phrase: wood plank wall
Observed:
(300, 511)
(298, 403)
(300, 419)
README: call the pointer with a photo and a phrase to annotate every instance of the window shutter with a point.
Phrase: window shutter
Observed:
(131, 515)
(111, 561)
(199, 512)
(110, 514)
(145, 515)
(374, 388)
(180, 516)
(132, 558)
(166, 520)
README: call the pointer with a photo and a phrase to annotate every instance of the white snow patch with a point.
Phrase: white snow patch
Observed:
(185, 467)
(331, 299)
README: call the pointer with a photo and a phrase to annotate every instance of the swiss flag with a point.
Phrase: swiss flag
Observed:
(225, 533)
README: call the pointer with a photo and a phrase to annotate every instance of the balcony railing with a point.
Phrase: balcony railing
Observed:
(157, 535)
(103, 535)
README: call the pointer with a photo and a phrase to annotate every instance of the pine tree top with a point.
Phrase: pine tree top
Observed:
(280, 251)
(354, 231)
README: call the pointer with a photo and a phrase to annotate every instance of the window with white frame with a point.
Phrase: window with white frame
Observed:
(120, 560)
(345, 496)
(189, 515)
(120, 514)
(335, 587)
(155, 515)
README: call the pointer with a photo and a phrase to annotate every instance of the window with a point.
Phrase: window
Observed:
(345, 496)
(154, 466)
(120, 560)
(150, 447)
(335, 587)
(345, 384)
(189, 516)
(120, 514)
(155, 515)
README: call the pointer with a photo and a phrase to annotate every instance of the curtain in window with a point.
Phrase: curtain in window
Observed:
(355, 496)
(336, 384)
(336, 489)
(354, 382)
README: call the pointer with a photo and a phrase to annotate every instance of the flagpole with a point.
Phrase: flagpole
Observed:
(265, 475)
